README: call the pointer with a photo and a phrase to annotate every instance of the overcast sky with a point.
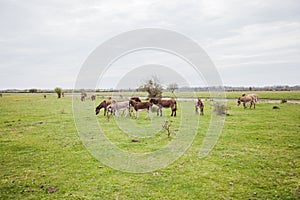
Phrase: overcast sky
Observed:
(252, 43)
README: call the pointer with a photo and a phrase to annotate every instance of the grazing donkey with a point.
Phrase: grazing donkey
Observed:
(104, 104)
(255, 97)
(252, 98)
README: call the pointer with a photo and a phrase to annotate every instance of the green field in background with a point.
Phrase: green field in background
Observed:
(230, 95)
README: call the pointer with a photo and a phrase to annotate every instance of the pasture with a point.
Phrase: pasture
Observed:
(229, 95)
(256, 157)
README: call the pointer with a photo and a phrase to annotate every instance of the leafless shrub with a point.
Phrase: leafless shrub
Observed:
(219, 108)
(166, 126)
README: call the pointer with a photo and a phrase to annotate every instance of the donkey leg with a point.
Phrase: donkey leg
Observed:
(129, 111)
(160, 110)
(150, 113)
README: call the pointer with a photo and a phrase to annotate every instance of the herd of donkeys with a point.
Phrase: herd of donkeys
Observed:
(114, 107)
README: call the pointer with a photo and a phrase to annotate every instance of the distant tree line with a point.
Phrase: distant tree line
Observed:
(171, 87)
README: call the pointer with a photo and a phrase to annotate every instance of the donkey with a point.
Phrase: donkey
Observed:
(93, 97)
(138, 106)
(199, 104)
(116, 106)
(165, 103)
(255, 97)
(104, 104)
(247, 98)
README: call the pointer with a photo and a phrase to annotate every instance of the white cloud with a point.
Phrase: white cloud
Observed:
(55, 37)
(268, 43)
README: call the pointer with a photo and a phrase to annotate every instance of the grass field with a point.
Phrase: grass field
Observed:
(230, 95)
(256, 157)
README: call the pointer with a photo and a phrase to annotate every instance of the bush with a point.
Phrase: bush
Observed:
(153, 88)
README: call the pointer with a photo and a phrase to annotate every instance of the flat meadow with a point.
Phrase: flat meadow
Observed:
(257, 155)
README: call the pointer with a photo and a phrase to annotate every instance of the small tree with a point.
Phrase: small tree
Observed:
(58, 91)
(172, 87)
(153, 87)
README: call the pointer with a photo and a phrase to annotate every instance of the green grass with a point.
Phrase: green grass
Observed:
(257, 155)
(232, 95)
(267, 94)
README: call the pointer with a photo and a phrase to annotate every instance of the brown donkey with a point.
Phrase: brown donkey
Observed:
(104, 104)
(165, 103)
(252, 98)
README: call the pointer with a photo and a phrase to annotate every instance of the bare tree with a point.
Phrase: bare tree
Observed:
(172, 87)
